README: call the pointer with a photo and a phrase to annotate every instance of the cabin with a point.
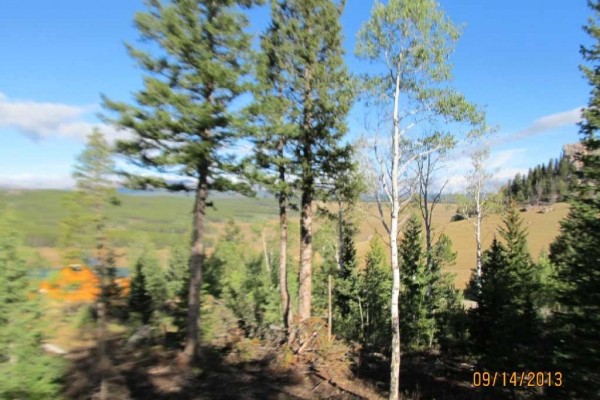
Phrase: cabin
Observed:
(75, 283)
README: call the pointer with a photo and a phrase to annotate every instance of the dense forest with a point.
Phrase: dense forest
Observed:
(286, 307)
(549, 183)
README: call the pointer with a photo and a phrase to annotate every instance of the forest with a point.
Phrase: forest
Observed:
(234, 243)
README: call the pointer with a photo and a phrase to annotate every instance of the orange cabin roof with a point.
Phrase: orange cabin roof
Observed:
(76, 283)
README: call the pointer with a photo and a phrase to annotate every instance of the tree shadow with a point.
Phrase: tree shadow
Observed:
(424, 375)
(153, 373)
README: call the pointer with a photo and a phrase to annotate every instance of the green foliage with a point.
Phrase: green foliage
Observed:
(155, 279)
(576, 252)
(348, 320)
(444, 300)
(85, 224)
(110, 291)
(549, 183)
(235, 275)
(178, 286)
(377, 286)
(140, 300)
(25, 371)
(182, 119)
(177, 273)
(506, 323)
(417, 324)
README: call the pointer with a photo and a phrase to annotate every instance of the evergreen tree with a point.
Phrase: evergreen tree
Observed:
(182, 119)
(550, 183)
(25, 371)
(490, 298)
(348, 291)
(272, 115)
(417, 326)
(177, 273)
(576, 252)
(443, 299)
(95, 191)
(155, 279)
(178, 287)
(377, 285)
(318, 89)
(140, 301)
(506, 324)
(110, 292)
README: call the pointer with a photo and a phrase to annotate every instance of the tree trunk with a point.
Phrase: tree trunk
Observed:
(329, 311)
(478, 236)
(104, 361)
(341, 236)
(266, 255)
(283, 237)
(395, 311)
(305, 288)
(192, 345)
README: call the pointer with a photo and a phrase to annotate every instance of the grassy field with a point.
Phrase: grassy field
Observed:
(542, 229)
(165, 220)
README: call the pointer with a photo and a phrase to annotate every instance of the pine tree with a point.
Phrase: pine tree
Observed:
(443, 299)
(348, 292)
(140, 301)
(377, 285)
(155, 279)
(178, 276)
(272, 114)
(576, 252)
(417, 326)
(110, 292)
(318, 88)
(96, 191)
(177, 273)
(505, 324)
(485, 317)
(25, 371)
(182, 121)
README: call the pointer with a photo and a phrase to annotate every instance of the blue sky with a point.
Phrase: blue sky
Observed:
(518, 58)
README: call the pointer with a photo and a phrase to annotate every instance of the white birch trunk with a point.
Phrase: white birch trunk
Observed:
(395, 311)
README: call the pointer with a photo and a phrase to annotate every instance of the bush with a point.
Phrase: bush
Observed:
(457, 217)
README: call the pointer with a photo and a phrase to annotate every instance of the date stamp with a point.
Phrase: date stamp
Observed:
(517, 379)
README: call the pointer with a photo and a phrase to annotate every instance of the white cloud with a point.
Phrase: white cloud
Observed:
(36, 181)
(39, 120)
(544, 124)
(500, 164)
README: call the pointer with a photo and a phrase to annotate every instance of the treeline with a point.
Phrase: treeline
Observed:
(547, 183)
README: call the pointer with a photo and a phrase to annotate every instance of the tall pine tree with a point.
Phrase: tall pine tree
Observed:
(318, 88)
(576, 252)
(271, 113)
(181, 119)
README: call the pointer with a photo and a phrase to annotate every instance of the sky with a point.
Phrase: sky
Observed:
(518, 59)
